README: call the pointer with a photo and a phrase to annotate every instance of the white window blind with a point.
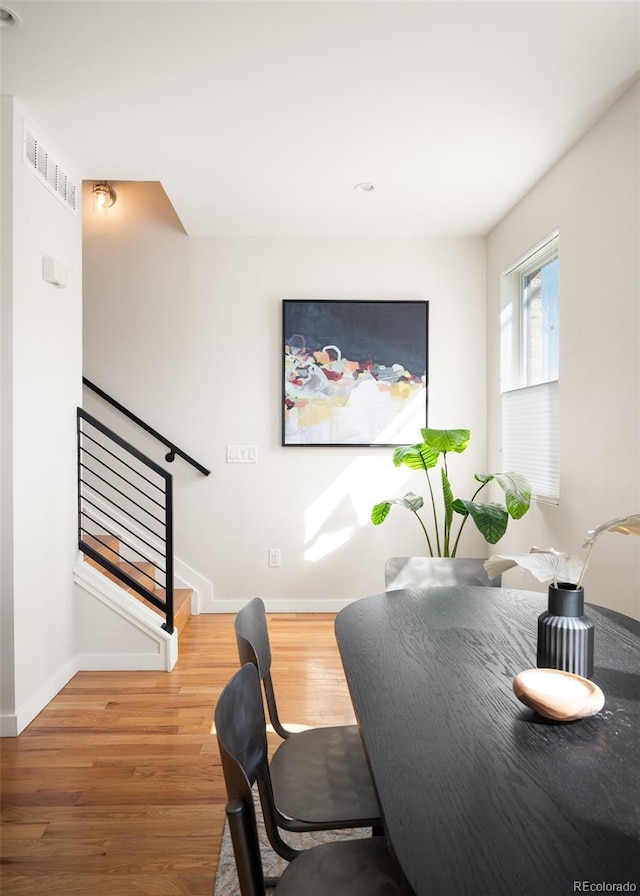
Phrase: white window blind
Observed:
(530, 353)
(530, 437)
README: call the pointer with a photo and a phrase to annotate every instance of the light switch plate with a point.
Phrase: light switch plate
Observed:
(242, 454)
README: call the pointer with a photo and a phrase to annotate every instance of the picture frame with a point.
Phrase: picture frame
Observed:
(355, 371)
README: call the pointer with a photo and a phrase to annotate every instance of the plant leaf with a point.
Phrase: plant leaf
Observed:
(517, 492)
(447, 497)
(416, 457)
(628, 525)
(491, 519)
(380, 511)
(446, 439)
(544, 565)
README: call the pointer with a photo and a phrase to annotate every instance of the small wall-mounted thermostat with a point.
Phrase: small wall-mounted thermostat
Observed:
(54, 272)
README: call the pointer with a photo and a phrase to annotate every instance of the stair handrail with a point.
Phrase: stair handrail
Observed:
(174, 451)
(86, 508)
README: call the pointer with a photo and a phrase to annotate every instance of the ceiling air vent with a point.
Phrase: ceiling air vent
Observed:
(48, 171)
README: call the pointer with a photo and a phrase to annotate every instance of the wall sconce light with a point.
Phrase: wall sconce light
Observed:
(104, 196)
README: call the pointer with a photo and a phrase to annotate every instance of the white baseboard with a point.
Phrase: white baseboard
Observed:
(278, 605)
(11, 725)
(185, 576)
(116, 662)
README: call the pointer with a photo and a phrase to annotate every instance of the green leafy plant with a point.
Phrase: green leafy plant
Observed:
(443, 536)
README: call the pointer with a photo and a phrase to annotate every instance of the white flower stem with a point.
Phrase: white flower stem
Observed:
(584, 565)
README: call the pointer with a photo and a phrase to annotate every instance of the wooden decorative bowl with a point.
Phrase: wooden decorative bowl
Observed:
(561, 696)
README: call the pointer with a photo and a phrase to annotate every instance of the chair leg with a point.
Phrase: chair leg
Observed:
(244, 837)
(270, 821)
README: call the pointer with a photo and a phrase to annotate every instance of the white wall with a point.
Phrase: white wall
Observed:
(187, 333)
(7, 651)
(591, 195)
(42, 366)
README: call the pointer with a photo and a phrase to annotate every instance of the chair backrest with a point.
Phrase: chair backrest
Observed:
(240, 729)
(252, 638)
(403, 572)
(242, 739)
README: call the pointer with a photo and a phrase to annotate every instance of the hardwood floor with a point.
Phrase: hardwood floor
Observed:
(116, 787)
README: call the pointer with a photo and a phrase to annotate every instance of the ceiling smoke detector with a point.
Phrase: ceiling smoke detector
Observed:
(365, 187)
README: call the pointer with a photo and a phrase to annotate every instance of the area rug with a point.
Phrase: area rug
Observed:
(272, 864)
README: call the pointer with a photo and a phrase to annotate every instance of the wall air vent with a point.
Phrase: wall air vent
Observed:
(48, 171)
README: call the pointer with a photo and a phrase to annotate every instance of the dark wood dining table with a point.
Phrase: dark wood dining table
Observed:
(481, 796)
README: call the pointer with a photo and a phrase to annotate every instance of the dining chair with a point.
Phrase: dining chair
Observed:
(357, 867)
(403, 572)
(320, 776)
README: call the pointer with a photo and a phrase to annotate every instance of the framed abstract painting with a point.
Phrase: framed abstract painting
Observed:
(354, 371)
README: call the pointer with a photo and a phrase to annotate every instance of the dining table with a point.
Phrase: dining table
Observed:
(479, 794)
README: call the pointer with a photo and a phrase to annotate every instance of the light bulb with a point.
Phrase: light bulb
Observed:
(104, 196)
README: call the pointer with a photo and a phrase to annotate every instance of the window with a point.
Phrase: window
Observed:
(530, 368)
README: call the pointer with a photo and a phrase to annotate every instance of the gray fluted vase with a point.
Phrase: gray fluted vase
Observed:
(565, 634)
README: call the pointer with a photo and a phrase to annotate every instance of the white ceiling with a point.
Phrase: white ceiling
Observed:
(259, 118)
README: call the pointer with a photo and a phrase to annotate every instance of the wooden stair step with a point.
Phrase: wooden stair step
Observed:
(181, 605)
(107, 545)
(141, 571)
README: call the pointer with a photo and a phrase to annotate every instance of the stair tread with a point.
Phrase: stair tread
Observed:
(141, 571)
(104, 544)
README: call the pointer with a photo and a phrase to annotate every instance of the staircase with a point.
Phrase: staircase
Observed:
(143, 572)
(126, 579)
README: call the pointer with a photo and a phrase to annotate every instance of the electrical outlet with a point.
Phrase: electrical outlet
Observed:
(274, 556)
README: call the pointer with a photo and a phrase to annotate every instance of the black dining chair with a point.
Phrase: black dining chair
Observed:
(405, 572)
(320, 776)
(357, 867)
